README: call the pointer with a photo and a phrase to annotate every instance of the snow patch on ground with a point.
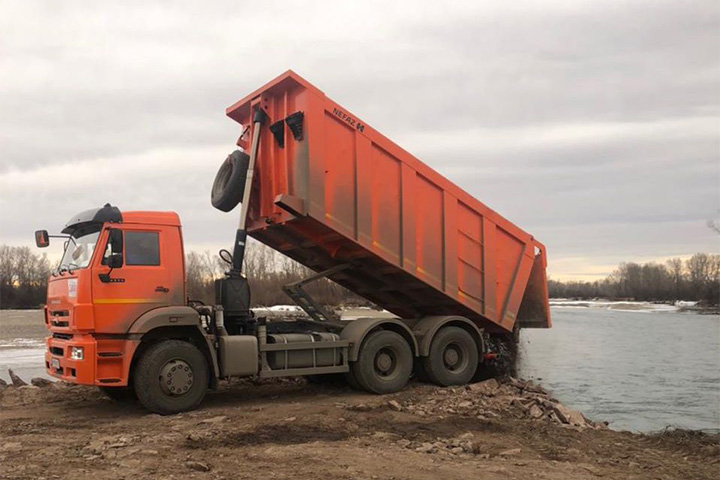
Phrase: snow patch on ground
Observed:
(621, 306)
(22, 343)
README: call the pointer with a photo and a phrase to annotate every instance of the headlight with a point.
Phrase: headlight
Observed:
(77, 353)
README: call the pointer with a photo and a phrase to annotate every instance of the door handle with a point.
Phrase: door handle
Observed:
(162, 289)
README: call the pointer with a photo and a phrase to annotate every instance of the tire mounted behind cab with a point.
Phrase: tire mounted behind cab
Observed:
(229, 185)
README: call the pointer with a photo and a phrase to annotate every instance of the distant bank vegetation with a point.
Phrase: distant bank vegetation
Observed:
(697, 278)
(23, 277)
(24, 274)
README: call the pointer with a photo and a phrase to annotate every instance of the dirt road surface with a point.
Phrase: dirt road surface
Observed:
(298, 430)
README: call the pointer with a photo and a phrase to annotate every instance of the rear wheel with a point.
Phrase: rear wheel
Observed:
(171, 377)
(453, 357)
(384, 364)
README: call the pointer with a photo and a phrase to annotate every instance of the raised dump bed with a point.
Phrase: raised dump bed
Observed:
(331, 190)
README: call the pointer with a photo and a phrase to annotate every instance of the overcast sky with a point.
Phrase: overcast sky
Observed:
(593, 125)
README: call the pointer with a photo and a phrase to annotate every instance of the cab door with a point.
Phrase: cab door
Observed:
(143, 282)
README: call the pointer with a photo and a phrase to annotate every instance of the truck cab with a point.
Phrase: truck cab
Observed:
(115, 268)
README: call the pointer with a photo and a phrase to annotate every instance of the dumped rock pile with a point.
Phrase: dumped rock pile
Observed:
(495, 399)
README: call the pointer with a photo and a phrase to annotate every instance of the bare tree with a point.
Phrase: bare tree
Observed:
(714, 224)
(267, 270)
(23, 277)
(677, 279)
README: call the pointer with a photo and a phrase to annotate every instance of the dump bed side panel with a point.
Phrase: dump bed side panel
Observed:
(343, 193)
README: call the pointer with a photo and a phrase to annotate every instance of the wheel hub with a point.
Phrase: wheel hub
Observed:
(176, 377)
(451, 357)
(383, 362)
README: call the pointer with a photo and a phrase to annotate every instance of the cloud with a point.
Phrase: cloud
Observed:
(592, 125)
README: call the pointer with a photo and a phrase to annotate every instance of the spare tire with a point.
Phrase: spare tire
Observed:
(229, 185)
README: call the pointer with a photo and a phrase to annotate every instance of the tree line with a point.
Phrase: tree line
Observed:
(24, 274)
(23, 277)
(696, 279)
(267, 271)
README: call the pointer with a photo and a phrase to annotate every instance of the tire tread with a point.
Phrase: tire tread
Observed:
(146, 387)
(434, 366)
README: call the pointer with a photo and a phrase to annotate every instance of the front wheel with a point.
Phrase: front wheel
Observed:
(171, 377)
(384, 364)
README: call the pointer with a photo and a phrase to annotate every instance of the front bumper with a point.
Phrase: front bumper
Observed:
(59, 364)
(105, 362)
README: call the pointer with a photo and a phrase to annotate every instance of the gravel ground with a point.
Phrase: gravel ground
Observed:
(294, 429)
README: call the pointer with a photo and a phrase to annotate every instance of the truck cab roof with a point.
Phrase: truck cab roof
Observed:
(154, 218)
(111, 214)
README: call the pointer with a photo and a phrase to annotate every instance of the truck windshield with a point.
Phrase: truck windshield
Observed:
(79, 250)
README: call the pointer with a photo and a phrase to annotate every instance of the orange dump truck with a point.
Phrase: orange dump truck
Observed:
(318, 184)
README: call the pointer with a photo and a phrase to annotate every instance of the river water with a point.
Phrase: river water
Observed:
(639, 370)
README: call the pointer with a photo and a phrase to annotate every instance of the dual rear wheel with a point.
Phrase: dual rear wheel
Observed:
(385, 360)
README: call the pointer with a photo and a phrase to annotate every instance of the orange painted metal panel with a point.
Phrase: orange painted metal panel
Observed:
(429, 231)
(417, 244)
(386, 209)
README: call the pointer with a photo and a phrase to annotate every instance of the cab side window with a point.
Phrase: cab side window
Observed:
(142, 248)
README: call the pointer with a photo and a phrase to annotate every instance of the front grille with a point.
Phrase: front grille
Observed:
(62, 336)
(56, 351)
(58, 323)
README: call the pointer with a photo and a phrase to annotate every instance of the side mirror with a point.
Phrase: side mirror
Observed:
(115, 260)
(42, 239)
(116, 248)
(116, 240)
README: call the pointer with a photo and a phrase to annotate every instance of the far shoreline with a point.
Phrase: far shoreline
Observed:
(677, 306)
